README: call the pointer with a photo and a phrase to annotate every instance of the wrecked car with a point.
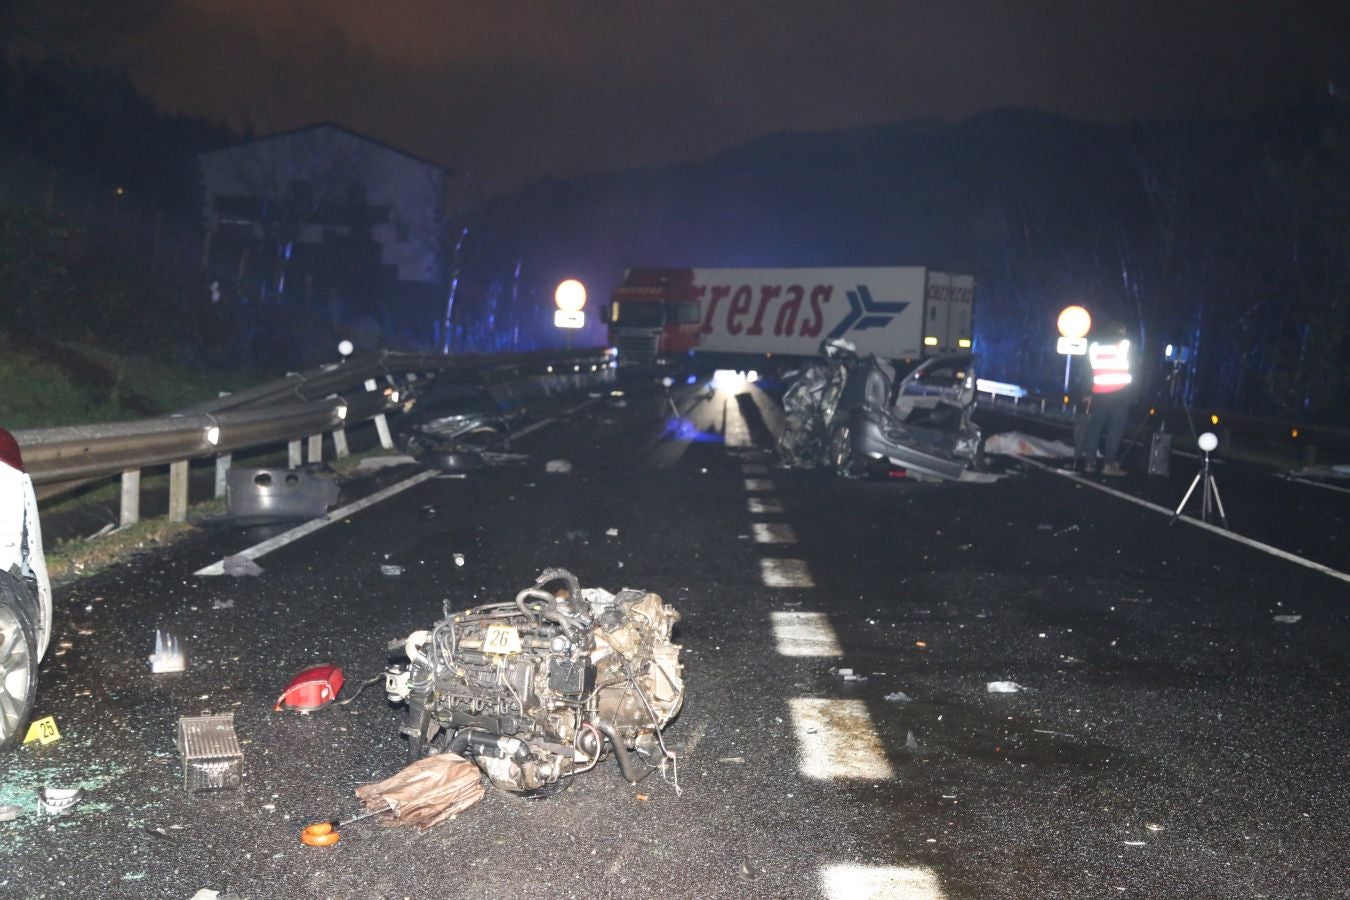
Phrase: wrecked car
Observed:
(541, 688)
(25, 594)
(859, 415)
(451, 424)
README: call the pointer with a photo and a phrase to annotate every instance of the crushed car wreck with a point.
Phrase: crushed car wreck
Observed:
(544, 687)
(452, 425)
(857, 415)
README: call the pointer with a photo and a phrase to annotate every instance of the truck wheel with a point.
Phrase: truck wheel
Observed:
(18, 667)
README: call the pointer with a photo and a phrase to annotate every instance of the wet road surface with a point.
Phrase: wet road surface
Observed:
(1169, 737)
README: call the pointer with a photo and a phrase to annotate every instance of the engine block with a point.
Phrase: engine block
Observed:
(545, 687)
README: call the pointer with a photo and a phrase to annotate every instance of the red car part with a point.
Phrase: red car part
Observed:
(312, 689)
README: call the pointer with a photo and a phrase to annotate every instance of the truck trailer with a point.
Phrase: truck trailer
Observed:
(737, 317)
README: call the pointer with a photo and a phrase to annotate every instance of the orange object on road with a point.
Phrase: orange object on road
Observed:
(320, 834)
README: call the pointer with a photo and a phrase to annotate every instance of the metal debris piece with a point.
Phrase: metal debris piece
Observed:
(1288, 620)
(222, 604)
(168, 655)
(240, 566)
(557, 467)
(212, 757)
(459, 559)
(899, 697)
(10, 812)
(1153, 826)
(276, 495)
(611, 532)
(1003, 687)
(391, 570)
(58, 801)
(384, 462)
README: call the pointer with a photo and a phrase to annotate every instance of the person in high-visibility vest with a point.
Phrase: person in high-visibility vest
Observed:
(1110, 361)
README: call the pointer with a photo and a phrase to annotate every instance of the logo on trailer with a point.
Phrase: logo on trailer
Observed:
(864, 312)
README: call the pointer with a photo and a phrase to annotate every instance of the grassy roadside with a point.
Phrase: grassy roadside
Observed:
(38, 391)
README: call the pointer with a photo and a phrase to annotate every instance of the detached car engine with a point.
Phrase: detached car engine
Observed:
(544, 687)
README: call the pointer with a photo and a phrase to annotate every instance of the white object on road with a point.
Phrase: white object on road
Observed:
(557, 467)
(1003, 687)
(1288, 620)
(1015, 443)
(168, 655)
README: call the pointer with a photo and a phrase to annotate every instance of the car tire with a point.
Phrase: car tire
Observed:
(18, 665)
(843, 460)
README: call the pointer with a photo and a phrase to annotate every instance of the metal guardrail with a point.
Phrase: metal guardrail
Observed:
(298, 408)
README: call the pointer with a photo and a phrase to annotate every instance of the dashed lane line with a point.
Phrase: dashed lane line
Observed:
(804, 634)
(758, 484)
(791, 573)
(763, 506)
(773, 533)
(1213, 529)
(850, 881)
(836, 740)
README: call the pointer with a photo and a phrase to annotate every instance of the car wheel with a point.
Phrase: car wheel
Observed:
(18, 667)
(842, 458)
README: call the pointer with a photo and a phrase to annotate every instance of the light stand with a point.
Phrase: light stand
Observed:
(1209, 488)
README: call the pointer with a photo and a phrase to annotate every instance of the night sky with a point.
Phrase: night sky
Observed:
(514, 91)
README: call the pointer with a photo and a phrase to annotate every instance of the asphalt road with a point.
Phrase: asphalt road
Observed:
(1170, 738)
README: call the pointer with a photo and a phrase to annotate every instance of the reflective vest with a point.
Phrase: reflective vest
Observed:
(1110, 366)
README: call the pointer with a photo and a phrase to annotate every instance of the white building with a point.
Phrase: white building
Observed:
(272, 202)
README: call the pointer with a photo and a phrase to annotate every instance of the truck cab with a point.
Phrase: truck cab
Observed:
(654, 313)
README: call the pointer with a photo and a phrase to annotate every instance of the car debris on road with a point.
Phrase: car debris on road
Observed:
(504, 684)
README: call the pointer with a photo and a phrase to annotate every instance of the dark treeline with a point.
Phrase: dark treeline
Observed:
(1229, 236)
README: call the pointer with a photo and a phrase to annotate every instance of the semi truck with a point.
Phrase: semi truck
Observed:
(734, 316)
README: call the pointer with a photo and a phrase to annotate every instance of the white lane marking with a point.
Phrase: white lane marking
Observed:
(804, 634)
(1317, 484)
(850, 881)
(736, 433)
(773, 533)
(337, 515)
(754, 469)
(836, 739)
(785, 573)
(761, 506)
(758, 484)
(1214, 529)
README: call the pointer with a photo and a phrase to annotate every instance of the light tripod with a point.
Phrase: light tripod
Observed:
(1209, 488)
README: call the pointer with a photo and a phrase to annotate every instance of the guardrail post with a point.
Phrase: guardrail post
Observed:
(293, 458)
(315, 451)
(222, 469)
(178, 491)
(381, 423)
(340, 443)
(131, 497)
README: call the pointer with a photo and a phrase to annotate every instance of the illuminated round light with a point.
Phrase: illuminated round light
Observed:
(1293, 433)
(345, 348)
(1208, 441)
(1074, 322)
(1214, 419)
(667, 381)
(570, 296)
(1152, 411)
(213, 435)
